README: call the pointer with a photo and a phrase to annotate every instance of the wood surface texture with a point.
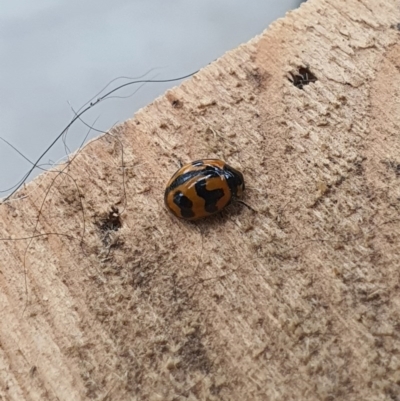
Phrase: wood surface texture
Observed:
(106, 296)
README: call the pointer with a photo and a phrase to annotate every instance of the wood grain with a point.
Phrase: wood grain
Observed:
(106, 296)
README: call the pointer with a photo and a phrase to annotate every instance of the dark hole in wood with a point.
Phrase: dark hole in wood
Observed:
(112, 222)
(303, 77)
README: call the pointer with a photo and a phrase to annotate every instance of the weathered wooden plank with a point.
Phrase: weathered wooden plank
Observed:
(299, 300)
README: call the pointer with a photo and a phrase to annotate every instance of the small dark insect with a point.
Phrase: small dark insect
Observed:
(202, 188)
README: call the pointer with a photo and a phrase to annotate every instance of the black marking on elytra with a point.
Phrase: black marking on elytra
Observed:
(208, 171)
(198, 163)
(181, 179)
(234, 178)
(184, 204)
(211, 198)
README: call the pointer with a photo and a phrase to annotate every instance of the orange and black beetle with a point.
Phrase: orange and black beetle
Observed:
(202, 188)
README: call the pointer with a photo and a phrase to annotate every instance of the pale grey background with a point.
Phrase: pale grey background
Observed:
(55, 51)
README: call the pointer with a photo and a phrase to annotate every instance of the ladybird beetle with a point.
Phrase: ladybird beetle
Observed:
(202, 188)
